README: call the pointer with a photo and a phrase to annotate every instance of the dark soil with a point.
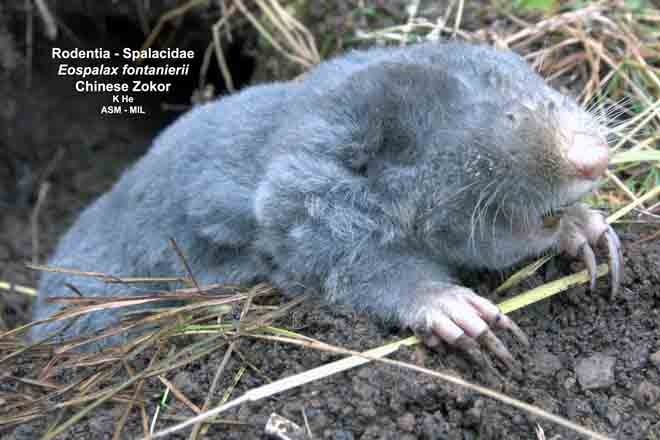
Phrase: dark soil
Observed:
(575, 335)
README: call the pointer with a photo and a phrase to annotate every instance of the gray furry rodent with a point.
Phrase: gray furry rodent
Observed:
(372, 180)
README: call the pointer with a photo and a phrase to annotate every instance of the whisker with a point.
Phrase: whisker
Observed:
(504, 184)
(487, 206)
(474, 218)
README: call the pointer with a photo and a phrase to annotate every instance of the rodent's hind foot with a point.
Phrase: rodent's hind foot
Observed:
(463, 319)
(581, 229)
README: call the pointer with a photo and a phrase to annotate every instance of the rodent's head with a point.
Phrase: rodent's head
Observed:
(524, 149)
(544, 142)
(477, 128)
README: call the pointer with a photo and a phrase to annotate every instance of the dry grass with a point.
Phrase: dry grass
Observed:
(207, 311)
(609, 56)
(213, 306)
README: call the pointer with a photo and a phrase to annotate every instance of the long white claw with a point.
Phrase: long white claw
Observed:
(492, 314)
(589, 259)
(615, 259)
(498, 348)
(582, 230)
(503, 321)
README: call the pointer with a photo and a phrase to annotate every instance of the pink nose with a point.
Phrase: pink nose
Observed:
(589, 158)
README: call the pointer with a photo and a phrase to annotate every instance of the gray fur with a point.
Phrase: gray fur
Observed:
(378, 172)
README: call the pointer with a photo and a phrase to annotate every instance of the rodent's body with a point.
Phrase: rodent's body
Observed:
(371, 180)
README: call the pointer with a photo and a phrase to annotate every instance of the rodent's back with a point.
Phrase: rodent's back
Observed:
(216, 149)
(221, 148)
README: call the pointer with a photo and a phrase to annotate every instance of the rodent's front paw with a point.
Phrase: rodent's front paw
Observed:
(461, 318)
(580, 229)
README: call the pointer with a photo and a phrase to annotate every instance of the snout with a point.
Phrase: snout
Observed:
(589, 155)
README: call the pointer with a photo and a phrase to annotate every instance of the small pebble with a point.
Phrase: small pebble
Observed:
(596, 371)
(472, 417)
(655, 359)
(569, 383)
(406, 422)
(613, 416)
(646, 394)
